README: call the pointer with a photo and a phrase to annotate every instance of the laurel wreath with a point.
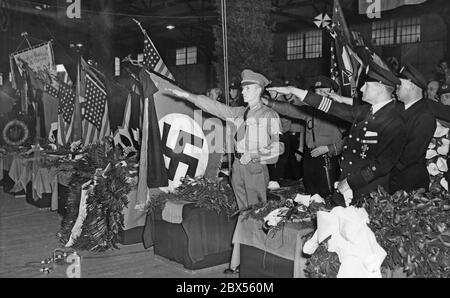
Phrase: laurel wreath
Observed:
(8, 126)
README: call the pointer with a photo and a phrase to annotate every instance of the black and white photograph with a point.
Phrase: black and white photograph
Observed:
(221, 146)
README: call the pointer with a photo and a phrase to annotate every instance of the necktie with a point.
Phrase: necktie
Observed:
(240, 133)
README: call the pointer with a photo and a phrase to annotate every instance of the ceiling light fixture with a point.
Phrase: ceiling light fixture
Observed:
(170, 27)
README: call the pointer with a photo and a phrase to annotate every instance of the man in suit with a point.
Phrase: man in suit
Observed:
(376, 139)
(410, 172)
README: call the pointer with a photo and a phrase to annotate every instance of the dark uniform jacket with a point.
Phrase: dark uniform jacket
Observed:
(373, 146)
(440, 111)
(411, 172)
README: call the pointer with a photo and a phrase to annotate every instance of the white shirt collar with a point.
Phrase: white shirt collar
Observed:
(411, 104)
(378, 106)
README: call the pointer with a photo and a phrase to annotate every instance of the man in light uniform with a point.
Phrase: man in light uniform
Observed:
(256, 138)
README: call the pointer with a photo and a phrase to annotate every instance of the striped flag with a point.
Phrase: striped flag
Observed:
(66, 97)
(94, 106)
(152, 59)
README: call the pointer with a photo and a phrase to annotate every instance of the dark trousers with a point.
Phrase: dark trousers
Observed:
(277, 171)
(294, 169)
(314, 174)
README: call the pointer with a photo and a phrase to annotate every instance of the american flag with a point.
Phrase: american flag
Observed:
(66, 96)
(94, 108)
(153, 61)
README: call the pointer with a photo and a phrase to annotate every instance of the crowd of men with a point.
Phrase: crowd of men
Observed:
(348, 150)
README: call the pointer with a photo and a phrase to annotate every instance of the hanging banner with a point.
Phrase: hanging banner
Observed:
(192, 141)
(39, 59)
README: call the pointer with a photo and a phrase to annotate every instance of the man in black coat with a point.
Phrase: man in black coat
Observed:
(410, 173)
(376, 138)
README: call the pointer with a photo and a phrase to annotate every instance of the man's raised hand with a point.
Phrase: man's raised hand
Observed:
(283, 90)
(177, 93)
(341, 99)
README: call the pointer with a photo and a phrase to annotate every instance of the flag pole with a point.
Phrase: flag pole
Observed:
(225, 66)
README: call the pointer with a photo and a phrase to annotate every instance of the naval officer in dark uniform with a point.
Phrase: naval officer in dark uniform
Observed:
(411, 172)
(376, 139)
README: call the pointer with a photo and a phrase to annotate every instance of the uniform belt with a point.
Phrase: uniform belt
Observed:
(237, 156)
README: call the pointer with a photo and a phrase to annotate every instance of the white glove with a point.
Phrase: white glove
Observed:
(345, 190)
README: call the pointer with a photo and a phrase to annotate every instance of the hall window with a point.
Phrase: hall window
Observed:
(304, 45)
(408, 30)
(295, 46)
(383, 32)
(186, 56)
(313, 44)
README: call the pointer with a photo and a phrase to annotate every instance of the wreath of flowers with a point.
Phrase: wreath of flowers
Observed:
(437, 155)
(11, 124)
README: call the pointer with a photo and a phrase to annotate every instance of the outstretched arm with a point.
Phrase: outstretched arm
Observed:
(285, 109)
(208, 105)
(322, 103)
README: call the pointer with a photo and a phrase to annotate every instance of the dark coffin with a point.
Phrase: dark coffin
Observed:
(131, 236)
(256, 263)
(203, 239)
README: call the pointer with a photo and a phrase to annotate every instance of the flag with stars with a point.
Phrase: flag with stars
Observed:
(66, 101)
(153, 61)
(94, 106)
(346, 66)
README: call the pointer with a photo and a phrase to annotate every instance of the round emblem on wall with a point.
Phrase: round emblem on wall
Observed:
(15, 133)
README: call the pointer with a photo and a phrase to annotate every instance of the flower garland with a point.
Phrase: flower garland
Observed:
(105, 220)
(284, 206)
(105, 203)
(437, 156)
(412, 227)
(204, 192)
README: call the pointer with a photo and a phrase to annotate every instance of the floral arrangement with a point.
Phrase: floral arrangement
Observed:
(437, 156)
(204, 192)
(105, 204)
(412, 227)
(287, 204)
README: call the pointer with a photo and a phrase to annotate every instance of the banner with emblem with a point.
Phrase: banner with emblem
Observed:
(40, 59)
(190, 139)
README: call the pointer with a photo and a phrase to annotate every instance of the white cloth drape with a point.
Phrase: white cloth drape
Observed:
(359, 253)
